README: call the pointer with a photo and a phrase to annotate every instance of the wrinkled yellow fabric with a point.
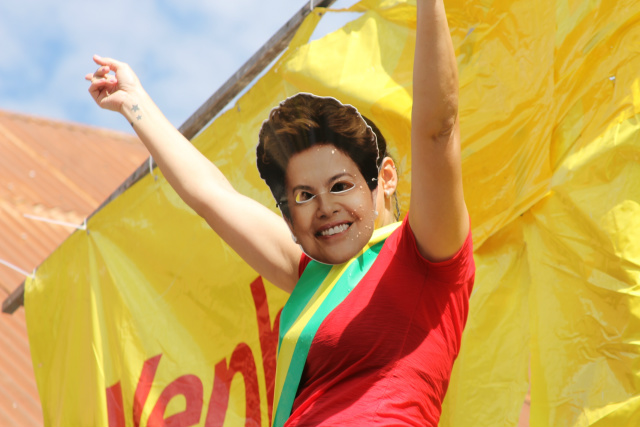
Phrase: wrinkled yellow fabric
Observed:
(550, 124)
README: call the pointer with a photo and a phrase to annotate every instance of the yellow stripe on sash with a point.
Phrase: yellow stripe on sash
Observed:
(288, 346)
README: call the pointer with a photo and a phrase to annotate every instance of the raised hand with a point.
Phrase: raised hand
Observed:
(111, 91)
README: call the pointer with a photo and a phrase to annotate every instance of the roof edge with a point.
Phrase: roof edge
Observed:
(72, 126)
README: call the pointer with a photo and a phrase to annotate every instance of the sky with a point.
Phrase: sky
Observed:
(182, 50)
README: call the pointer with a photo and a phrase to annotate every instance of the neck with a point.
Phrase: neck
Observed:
(386, 217)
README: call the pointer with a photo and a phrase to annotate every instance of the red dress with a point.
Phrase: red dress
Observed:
(384, 355)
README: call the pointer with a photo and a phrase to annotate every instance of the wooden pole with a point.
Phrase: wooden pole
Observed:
(207, 111)
(15, 300)
(245, 74)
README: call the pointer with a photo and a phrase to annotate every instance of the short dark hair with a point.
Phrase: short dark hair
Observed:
(305, 120)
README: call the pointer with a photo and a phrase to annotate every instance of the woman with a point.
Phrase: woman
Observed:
(374, 322)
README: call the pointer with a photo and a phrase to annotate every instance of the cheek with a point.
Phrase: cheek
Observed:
(364, 206)
(297, 220)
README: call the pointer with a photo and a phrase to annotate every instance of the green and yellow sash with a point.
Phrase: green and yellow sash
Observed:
(321, 288)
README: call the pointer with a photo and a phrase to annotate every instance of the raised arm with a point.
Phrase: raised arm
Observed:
(438, 214)
(257, 234)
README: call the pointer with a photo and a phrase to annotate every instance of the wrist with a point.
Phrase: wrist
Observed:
(133, 105)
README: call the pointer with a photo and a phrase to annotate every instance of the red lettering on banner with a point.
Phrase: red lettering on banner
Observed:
(190, 386)
(115, 410)
(268, 338)
(241, 361)
(144, 387)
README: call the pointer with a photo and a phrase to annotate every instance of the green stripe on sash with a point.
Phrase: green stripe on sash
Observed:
(305, 289)
(321, 288)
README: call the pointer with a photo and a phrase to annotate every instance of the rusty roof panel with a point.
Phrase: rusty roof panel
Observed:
(43, 157)
(55, 170)
(19, 401)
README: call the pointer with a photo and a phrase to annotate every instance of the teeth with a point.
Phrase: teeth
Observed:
(334, 230)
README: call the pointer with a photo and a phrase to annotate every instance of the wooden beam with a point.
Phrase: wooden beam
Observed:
(13, 301)
(258, 62)
(207, 111)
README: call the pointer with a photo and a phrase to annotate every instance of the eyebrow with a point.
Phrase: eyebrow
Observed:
(330, 180)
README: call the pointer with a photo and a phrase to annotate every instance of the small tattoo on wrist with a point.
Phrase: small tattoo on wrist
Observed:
(139, 118)
(135, 108)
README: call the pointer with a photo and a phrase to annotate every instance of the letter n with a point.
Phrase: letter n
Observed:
(190, 387)
(241, 361)
(268, 338)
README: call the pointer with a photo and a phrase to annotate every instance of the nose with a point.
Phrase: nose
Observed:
(326, 205)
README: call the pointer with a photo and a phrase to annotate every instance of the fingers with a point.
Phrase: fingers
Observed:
(102, 73)
(99, 84)
(106, 65)
(99, 74)
(121, 69)
(102, 83)
(108, 62)
(98, 87)
(110, 90)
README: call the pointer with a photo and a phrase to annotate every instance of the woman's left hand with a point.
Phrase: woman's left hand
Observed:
(112, 91)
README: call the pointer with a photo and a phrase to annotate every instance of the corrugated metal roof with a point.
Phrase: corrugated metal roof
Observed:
(60, 171)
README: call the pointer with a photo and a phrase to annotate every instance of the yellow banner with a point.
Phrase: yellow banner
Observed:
(146, 318)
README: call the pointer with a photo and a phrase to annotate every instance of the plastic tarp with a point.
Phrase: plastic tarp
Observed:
(148, 318)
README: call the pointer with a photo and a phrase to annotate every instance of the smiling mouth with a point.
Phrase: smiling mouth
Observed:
(334, 230)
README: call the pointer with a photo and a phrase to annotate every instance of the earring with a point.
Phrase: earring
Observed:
(387, 193)
(375, 213)
(295, 239)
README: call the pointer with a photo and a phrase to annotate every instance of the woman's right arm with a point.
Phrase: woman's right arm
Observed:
(257, 234)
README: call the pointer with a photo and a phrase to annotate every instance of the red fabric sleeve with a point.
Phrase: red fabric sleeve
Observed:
(455, 270)
(304, 261)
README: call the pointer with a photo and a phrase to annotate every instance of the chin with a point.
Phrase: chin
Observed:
(333, 260)
(336, 255)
